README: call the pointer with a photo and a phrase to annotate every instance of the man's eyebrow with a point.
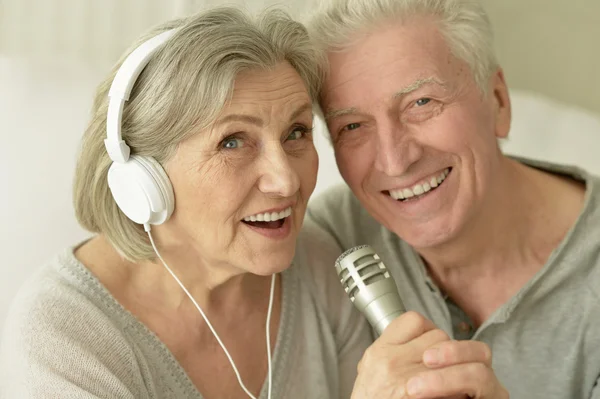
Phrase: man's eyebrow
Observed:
(416, 85)
(336, 113)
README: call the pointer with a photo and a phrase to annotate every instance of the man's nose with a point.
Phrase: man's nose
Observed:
(396, 150)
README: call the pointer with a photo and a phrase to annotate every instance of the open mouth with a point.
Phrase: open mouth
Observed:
(266, 225)
(419, 190)
(268, 220)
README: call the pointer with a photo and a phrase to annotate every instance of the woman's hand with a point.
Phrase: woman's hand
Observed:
(414, 359)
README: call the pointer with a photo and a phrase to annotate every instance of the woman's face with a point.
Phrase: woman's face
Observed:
(241, 186)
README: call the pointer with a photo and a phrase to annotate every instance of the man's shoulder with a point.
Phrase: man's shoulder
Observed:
(339, 212)
(335, 200)
(593, 279)
(583, 241)
(316, 254)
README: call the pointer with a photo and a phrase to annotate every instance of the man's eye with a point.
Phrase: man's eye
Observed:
(422, 101)
(352, 126)
(231, 143)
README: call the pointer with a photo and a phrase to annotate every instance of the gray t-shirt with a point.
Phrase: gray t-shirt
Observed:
(67, 337)
(546, 339)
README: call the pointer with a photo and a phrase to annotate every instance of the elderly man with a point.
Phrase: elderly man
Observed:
(488, 248)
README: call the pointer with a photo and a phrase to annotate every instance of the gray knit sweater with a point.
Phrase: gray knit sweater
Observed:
(67, 337)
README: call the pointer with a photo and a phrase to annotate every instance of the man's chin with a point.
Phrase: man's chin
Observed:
(429, 235)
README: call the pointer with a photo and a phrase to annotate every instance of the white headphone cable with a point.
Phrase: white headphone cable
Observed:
(268, 331)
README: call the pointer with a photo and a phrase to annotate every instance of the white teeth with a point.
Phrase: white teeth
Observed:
(420, 189)
(269, 216)
(396, 195)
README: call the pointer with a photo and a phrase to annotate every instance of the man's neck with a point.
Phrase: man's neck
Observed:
(523, 220)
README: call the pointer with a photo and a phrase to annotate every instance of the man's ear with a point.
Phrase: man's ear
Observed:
(501, 101)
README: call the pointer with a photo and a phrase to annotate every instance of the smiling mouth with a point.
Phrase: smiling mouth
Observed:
(419, 190)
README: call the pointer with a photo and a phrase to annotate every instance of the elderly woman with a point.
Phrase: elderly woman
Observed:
(200, 281)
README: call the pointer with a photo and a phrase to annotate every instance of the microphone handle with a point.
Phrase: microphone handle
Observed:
(383, 310)
(380, 303)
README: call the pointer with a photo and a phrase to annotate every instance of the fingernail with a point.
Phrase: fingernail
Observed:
(415, 386)
(431, 356)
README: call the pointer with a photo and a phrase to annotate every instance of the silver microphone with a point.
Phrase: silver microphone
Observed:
(370, 286)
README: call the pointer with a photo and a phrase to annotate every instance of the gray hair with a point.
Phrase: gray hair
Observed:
(463, 23)
(181, 91)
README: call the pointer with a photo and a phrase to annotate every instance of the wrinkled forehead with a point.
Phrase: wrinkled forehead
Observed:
(387, 60)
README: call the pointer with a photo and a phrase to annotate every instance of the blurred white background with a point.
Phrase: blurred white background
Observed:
(54, 52)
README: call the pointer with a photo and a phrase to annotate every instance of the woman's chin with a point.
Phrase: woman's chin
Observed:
(266, 264)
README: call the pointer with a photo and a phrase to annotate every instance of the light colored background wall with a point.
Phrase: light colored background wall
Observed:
(54, 52)
(547, 46)
(551, 47)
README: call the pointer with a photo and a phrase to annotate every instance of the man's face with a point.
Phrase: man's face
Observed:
(414, 137)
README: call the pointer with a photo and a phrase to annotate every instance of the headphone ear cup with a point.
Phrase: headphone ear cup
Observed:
(163, 184)
(142, 190)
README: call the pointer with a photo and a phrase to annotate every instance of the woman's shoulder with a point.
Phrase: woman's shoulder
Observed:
(61, 283)
(60, 327)
(60, 297)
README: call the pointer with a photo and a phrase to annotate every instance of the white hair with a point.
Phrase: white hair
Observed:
(463, 23)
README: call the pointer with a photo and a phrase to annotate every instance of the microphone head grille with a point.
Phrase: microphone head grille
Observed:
(358, 268)
(348, 252)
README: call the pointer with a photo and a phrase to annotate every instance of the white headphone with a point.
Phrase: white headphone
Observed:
(139, 184)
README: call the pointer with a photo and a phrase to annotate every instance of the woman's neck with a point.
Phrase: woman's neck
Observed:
(215, 289)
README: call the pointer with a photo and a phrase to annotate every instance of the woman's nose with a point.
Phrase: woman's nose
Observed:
(278, 177)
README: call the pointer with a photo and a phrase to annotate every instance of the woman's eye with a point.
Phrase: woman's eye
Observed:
(298, 133)
(422, 101)
(352, 126)
(231, 143)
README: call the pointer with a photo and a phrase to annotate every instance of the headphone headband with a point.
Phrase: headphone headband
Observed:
(117, 149)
